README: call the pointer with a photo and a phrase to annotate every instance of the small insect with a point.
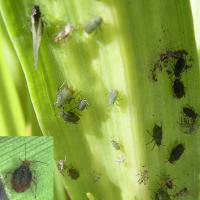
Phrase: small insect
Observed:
(157, 135)
(121, 159)
(161, 194)
(179, 67)
(73, 173)
(176, 153)
(37, 29)
(182, 193)
(69, 116)
(82, 104)
(168, 182)
(3, 195)
(190, 126)
(178, 88)
(113, 96)
(115, 144)
(189, 112)
(68, 29)
(93, 24)
(64, 96)
(143, 176)
(96, 177)
(61, 165)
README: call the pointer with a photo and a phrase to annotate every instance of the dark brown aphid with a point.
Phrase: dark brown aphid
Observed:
(22, 177)
(157, 135)
(189, 112)
(182, 193)
(178, 88)
(73, 173)
(161, 194)
(69, 116)
(179, 67)
(176, 153)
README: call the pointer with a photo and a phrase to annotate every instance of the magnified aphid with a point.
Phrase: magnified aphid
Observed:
(161, 194)
(115, 144)
(157, 135)
(178, 88)
(82, 104)
(179, 67)
(64, 96)
(73, 173)
(143, 176)
(113, 96)
(176, 153)
(189, 112)
(37, 29)
(69, 116)
(61, 165)
(68, 29)
(93, 24)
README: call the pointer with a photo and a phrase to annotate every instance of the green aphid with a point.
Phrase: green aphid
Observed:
(93, 24)
(37, 29)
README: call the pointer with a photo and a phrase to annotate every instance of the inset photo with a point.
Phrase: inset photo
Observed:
(26, 168)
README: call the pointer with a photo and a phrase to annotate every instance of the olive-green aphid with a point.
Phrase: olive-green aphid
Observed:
(93, 24)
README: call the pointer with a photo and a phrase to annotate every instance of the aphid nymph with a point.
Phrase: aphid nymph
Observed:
(178, 88)
(64, 96)
(93, 24)
(69, 116)
(113, 95)
(82, 104)
(157, 135)
(176, 153)
(64, 33)
(115, 144)
(37, 29)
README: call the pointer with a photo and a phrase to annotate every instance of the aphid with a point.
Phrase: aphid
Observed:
(64, 33)
(157, 135)
(82, 104)
(113, 95)
(73, 173)
(93, 24)
(69, 116)
(179, 66)
(96, 177)
(64, 96)
(143, 176)
(182, 193)
(178, 88)
(61, 165)
(189, 112)
(161, 194)
(176, 153)
(121, 159)
(37, 29)
(3, 195)
(115, 144)
(22, 177)
(189, 126)
(168, 182)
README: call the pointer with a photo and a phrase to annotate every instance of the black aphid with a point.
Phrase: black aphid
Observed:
(176, 153)
(189, 112)
(179, 67)
(73, 173)
(161, 194)
(157, 135)
(69, 116)
(178, 88)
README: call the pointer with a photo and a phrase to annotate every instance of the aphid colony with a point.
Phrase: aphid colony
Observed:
(64, 168)
(38, 26)
(65, 97)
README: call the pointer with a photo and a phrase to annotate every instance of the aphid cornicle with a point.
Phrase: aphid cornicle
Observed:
(64, 33)
(93, 24)
(157, 135)
(69, 116)
(178, 88)
(37, 29)
(161, 194)
(82, 104)
(64, 96)
(113, 95)
(176, 153)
